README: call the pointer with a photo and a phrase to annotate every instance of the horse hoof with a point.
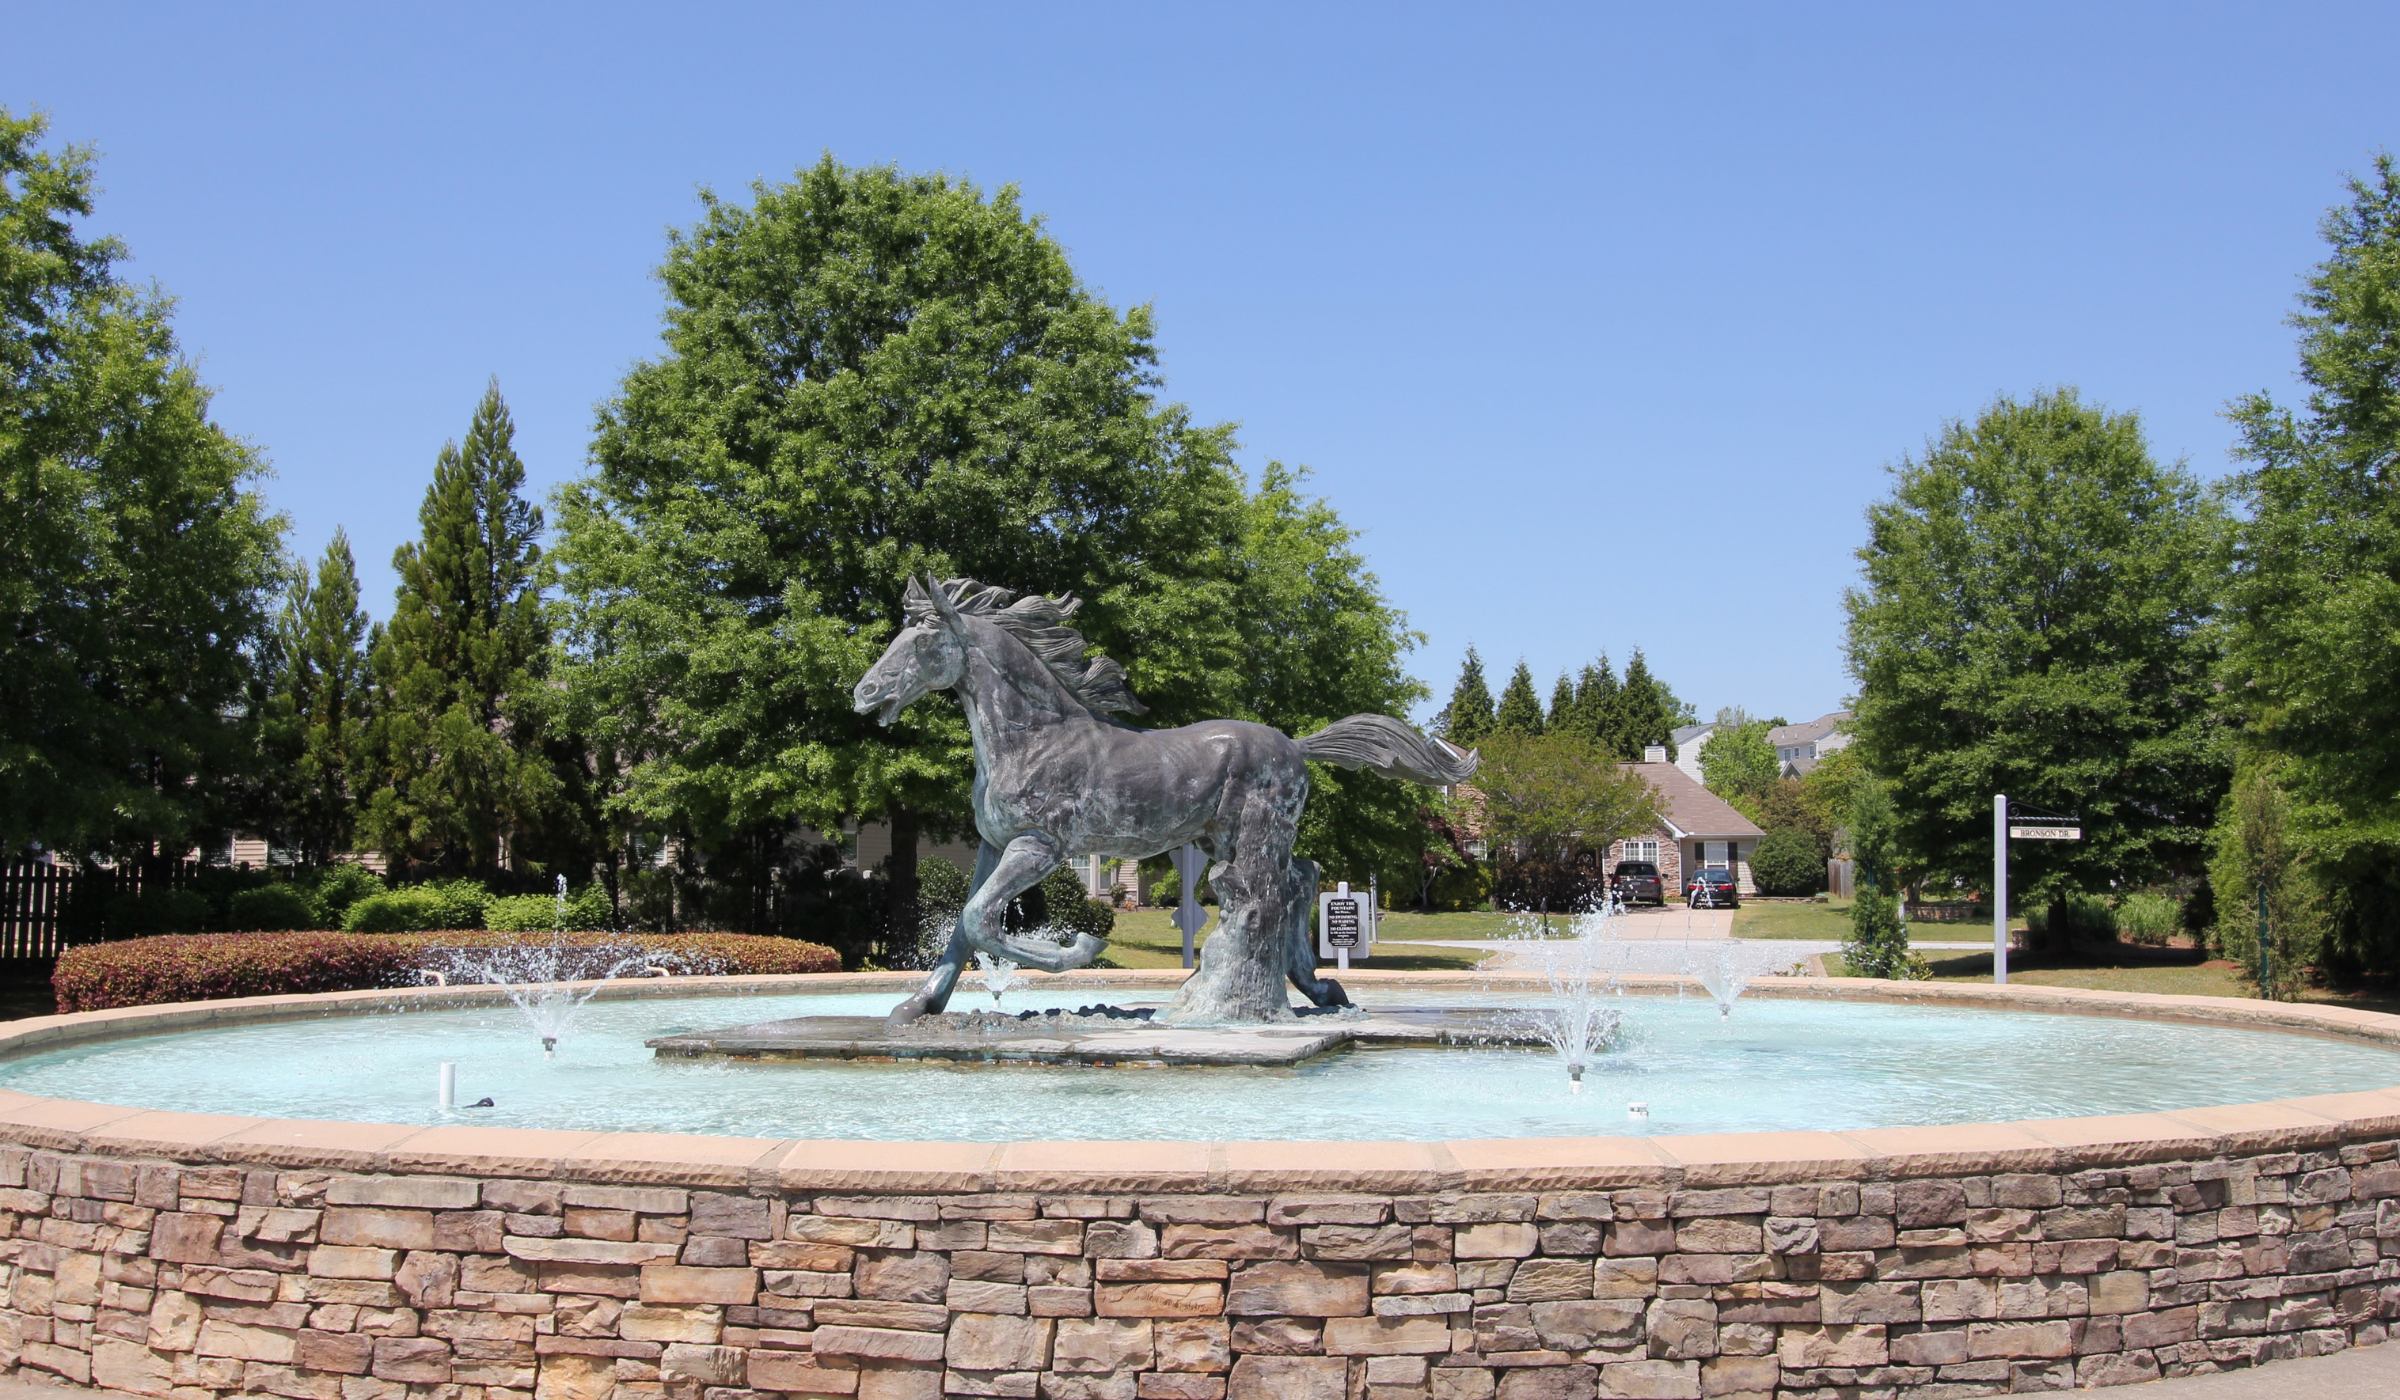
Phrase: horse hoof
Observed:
(904, 1013)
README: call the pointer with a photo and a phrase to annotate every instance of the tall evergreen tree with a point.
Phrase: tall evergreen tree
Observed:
(2316, 584)
(138, 564)
(1646, 712)
(1596, 703)
(1468, 716)
(458, 738)
(322, 692)
(1563, 712)
(1520, 710)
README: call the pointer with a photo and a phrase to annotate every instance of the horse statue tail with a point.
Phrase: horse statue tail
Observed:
(1384, 745)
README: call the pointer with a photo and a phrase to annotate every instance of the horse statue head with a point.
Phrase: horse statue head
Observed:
(930, 654)
(1026, 636)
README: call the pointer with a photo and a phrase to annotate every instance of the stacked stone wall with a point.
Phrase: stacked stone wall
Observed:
(195, 1281)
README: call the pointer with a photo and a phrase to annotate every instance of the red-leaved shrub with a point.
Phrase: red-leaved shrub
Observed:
(213, 966)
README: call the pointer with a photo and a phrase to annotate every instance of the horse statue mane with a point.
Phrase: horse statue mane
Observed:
(1040, 622)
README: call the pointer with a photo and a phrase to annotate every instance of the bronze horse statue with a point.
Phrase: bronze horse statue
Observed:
(1057, 775)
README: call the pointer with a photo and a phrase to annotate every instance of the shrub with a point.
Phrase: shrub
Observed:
(206, 967)
(443, 904)
(941, 891)
(587, 908)
(1059, 902)
(332, 889)
(2148, 917)
(1787, 863)
(1878, 945)
(2069, 918)
(270, 908)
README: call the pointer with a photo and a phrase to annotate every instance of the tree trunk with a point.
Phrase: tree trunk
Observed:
(900, 871)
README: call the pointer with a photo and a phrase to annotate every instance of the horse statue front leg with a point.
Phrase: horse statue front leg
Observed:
(1022, 866)
(934, 995)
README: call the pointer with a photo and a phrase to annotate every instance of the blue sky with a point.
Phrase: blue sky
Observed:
(1603, 322)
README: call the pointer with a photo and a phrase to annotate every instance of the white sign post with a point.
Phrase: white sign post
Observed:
(2004, 830)
(1999, 890)
(1345, 925)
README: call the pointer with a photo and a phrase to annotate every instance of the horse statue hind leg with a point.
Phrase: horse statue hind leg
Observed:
(1300, 905)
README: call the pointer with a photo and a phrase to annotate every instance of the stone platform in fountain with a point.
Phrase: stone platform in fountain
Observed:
(1107, 1036)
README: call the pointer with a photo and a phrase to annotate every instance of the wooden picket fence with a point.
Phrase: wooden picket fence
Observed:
(36, 898)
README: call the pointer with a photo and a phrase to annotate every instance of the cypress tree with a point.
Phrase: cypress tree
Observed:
(1596, 703)
(1646, 712)
(1563, 713)
(320, 705)
(1520, 710)
(458, 673)
(1468, 716)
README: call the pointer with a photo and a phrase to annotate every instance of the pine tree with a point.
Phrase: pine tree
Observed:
(1468, 716)
(1520, 710)
(1646, 712)
(320, 706)
(458, 672)
(1563, 712)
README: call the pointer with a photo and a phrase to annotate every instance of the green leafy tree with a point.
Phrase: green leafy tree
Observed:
(320, 708)
(461, 766)
(869, 375)
(137, 560)
(2035, 620)
(1520, 710)
(1544, 793)
(2316, 580)
(1739, 765)
(1787, 863)
(1646, 713)
(1320, 642)
(1468, 717)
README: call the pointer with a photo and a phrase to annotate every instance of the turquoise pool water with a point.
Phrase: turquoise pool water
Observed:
(1777, 1064)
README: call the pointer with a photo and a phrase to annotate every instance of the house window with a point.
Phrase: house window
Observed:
(1716, 855)
(1641, 850)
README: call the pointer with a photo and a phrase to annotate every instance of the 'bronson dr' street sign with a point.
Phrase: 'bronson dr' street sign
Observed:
(2044, 833)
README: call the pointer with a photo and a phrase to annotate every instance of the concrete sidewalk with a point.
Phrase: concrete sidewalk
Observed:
(2369, 1373)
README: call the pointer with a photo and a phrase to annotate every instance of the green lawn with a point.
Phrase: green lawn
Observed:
(1831, 921)
(2104, 971)
(1145, 938)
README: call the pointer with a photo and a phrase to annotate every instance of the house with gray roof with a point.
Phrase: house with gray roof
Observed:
(1697, 830)
(1799, 747)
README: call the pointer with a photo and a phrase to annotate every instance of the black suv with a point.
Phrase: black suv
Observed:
(1637, 881)
(1714, 889)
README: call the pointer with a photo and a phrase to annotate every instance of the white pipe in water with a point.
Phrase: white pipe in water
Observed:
(449, 1091)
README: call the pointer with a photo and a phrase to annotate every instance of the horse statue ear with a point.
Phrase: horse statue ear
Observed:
(914, 605)
(946, 610)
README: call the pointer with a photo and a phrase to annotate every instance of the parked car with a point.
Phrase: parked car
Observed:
(1713, 889)
(1637, 881)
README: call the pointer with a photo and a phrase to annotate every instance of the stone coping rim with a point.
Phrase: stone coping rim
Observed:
(1139, 1166)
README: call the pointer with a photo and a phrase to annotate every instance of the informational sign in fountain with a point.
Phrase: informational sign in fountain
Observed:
(1345, 924)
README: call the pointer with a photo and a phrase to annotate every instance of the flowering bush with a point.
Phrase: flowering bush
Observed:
(207, 967)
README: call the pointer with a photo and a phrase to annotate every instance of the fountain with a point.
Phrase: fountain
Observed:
(548, 982)
(1577, 972)
(998, 973)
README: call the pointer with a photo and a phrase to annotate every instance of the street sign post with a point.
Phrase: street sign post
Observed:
(2022, 827)
(1345, 925)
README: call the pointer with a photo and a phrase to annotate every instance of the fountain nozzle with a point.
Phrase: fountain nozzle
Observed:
(549, 1047)
(1574, 1078)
